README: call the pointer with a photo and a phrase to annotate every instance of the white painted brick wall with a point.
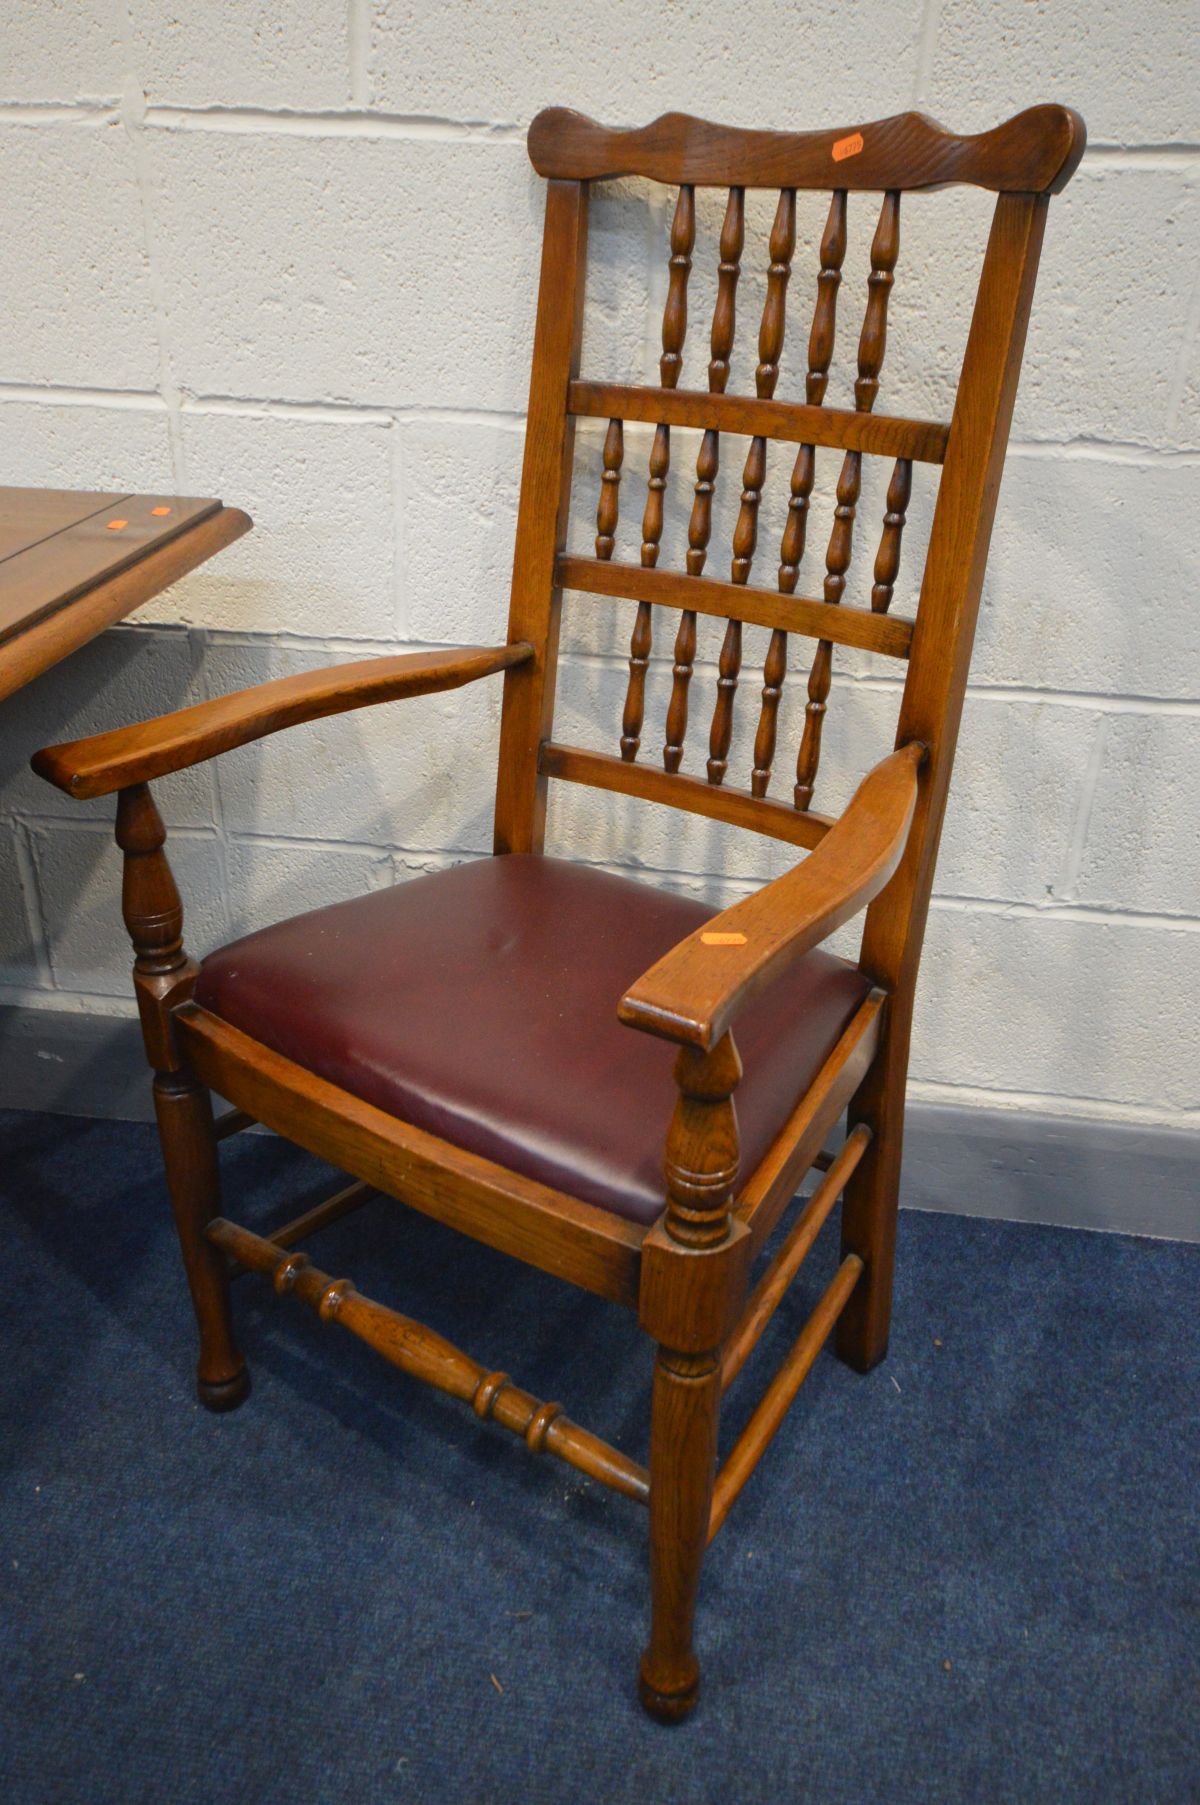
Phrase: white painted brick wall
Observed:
(78, 297)
(321, 561)
(288, 255)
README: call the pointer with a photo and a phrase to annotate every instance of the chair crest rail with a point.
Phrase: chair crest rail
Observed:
(1035, 152)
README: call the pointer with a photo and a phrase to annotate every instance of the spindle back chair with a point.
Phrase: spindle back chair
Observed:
(686, 1265)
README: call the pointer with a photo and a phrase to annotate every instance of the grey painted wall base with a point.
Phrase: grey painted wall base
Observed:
(973, 1162)
(1025, 1167)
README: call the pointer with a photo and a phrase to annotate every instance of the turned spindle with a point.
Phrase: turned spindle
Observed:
(887, 559)
(610, 483)
(635, 696)
(885, 249)
(745, 533)
(791, 549)
(733, 231)
(674, 331)
(733, 237)
(820, 356)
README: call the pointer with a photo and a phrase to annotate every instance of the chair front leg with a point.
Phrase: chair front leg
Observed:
(683, 1456)
(189, 1148)
(694, 1269)
(163, 975)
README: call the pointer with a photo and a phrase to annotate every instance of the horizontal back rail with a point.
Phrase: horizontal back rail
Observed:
(720, 802)
(886, 633)
(1036, 152)
(793, 422)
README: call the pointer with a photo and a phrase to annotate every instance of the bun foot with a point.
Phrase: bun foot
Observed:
(669, 1707)
(224, 1394)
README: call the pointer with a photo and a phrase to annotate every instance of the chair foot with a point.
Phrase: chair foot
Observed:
(224, 1394)
(668, 1707)
(859, 1358)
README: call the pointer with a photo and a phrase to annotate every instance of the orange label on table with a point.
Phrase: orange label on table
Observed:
(114, 526)
(847, 147)
(159, 512)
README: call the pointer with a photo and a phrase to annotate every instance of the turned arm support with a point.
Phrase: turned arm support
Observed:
(137, 754)
(694, 993)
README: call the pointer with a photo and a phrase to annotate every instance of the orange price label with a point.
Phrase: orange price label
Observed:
(159, 512)
(847, 147)
(723, 939)
(114, 526)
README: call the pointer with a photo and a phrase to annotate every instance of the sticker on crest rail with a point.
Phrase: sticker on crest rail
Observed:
(847, 147)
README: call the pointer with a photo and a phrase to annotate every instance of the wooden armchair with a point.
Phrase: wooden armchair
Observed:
(416, 1037)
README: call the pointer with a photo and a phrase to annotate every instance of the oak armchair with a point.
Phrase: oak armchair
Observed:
(331, 1028)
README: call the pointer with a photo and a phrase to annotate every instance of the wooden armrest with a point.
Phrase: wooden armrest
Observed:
(129, 755)
(693, 994)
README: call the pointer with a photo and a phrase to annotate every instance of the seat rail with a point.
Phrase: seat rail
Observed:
(577, 1241)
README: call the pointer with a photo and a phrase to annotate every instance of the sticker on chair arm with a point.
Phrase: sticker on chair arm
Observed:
(723, 939)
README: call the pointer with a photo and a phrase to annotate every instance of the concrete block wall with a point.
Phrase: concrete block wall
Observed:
(289, 256)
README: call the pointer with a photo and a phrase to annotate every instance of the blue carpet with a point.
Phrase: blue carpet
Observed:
(965, 1577)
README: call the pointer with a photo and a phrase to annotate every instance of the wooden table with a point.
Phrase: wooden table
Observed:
(73, 561)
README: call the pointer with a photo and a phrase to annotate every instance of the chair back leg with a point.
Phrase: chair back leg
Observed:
(872, 1199)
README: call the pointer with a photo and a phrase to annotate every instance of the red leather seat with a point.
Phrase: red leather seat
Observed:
(480, 1004)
